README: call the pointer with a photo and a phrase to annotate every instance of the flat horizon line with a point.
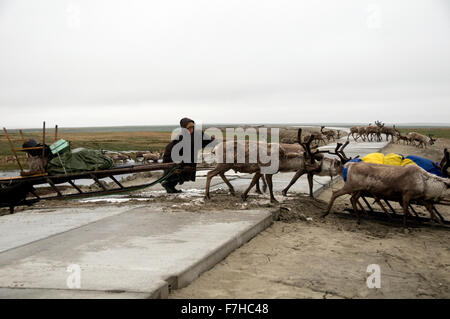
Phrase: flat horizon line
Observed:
(416, 124)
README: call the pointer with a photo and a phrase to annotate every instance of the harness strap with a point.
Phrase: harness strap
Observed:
(163, 178)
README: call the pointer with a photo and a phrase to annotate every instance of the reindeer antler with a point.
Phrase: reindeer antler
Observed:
(307, 146)
(338, 145)
(344, 157)
(338, 152)
(299, 136)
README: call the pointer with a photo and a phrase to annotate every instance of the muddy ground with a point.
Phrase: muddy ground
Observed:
(305, 256)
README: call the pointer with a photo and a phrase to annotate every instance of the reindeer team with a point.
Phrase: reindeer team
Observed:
(403, 184)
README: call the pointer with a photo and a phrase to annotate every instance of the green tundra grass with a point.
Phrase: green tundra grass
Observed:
(436, 132)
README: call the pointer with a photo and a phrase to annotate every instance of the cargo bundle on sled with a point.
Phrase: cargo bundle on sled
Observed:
(58, 164)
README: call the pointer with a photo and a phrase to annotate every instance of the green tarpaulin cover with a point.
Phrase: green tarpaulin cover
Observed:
(79, 160)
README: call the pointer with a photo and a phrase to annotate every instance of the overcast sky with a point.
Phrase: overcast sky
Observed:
(103, 63)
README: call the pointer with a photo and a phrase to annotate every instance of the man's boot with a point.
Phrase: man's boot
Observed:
(170, 187)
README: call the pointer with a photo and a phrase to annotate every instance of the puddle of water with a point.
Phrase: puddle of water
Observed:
(145, 195)
(9, 173)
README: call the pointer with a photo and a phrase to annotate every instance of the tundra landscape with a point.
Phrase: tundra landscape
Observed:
(301, 255)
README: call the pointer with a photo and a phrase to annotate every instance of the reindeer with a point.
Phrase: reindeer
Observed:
(328, 167)
(372, 131)
(118, 157)
(421, 139)
(246, 147)
(354, 130)
(316, 137)
(138, 154)
(329, 134)
(288, 160)
(401, 137)
(338, 132)
(258, 189)
(291, 158)
(388, 131)
(360, 132)
(403, 183)
(149, 156)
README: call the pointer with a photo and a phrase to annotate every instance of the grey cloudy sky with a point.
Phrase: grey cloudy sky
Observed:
(102, 63)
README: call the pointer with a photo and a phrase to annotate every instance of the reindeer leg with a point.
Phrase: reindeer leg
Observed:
(253, 182)
(335, 195)
(429, 208)
(354, 200)
(310, 184)
(228, 183)
(405, 204)
(270, 184)
(258, 190)
(294, 179)
(209, 176)
(264, 188)
(361, 207)
(377, 200)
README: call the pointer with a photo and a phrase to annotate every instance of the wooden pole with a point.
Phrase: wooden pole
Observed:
(56, 132)
(43, 140)
(21, 135)
(13, 150)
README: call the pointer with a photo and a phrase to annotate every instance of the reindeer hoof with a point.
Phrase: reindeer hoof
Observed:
(244, 197)
(284, 193)
(232, 193)
(258, 192)
(324, 215)
(273, 200)
(206, 197)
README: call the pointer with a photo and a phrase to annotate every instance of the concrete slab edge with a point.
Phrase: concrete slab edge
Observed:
(47, 293)
(194, 271)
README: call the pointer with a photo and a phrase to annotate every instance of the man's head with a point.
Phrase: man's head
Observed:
(188, 124)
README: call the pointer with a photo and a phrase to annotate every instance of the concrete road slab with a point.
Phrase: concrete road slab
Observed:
(34, 224)
(141, 252)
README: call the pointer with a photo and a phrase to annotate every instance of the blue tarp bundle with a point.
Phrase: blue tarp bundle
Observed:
(426, 164)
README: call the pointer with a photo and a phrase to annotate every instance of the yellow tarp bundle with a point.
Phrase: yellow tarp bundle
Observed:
(389, 159)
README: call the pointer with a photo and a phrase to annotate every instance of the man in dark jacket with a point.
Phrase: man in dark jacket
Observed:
(189, 163)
